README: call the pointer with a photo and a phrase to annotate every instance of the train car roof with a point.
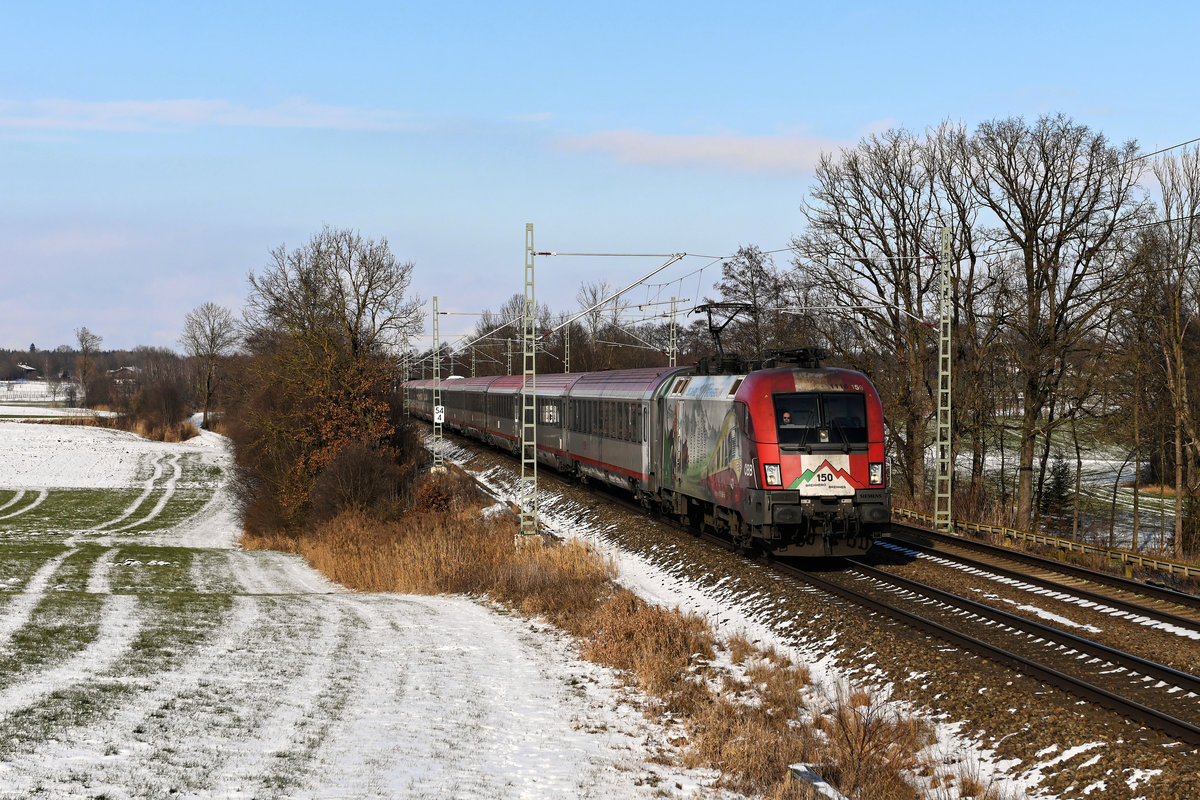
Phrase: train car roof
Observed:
(799, 379)
(623, 383)
(552, 384)
(459, 384)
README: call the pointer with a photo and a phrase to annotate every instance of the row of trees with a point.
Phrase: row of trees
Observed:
(1074, 292)
(87, 374)
(1070, 289)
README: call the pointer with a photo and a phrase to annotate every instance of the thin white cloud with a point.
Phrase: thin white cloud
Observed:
(160, 115)
(71, 242)
(786, 153)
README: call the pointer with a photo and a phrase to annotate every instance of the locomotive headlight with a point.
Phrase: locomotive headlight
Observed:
(875, 474)
(774, 476)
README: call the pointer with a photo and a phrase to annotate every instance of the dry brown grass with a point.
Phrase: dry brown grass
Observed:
(177, 432)
(749, 728)
(1152, 489)
(869, 747)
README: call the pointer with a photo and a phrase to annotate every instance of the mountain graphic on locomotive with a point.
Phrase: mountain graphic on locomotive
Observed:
(783, 456)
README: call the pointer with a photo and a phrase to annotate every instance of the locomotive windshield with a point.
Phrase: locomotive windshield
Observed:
(812, 419)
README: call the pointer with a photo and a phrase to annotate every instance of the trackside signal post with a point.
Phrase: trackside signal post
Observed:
(529, 504)
(942, 518)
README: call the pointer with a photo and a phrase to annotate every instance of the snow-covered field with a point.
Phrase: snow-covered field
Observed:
(143, 655)
(38, 391)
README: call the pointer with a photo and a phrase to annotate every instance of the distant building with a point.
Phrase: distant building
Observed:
(123, 375)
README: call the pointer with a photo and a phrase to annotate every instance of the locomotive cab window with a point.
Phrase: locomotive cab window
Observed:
(821, 421)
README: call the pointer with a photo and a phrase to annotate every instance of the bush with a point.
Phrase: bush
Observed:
(362, 476)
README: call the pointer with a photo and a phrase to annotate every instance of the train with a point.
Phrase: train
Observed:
(784, 457)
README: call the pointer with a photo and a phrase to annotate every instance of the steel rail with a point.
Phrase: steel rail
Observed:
(1150, 590)
(1045, 583)
(1118, 658)
(1153, 718)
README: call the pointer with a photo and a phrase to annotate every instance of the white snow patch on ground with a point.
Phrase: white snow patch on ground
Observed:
(70, 456)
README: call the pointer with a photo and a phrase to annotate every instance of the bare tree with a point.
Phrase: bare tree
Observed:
(338, 285)
(1176, 269)
(873, 221)
(750, 277)
(979, 295)
(209, 335)
(1061, 195)
(89, 344)
(589, 296)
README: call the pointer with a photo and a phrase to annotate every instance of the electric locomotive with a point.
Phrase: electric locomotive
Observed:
(784, 456)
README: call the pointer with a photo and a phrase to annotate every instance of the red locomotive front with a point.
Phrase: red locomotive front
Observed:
(791, 459)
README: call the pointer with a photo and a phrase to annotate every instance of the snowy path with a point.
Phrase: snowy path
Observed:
(217, 672)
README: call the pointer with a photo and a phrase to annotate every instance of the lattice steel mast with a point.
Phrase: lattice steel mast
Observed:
(439, 411)
(529, 504)
(942, 518)
(673, 353)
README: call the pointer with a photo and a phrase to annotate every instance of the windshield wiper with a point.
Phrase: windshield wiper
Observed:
(841, 432)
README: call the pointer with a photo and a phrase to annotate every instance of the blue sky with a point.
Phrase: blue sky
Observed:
(152, 154)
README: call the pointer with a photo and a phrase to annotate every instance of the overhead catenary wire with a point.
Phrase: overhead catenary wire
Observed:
(1163, 150)
(670, 260)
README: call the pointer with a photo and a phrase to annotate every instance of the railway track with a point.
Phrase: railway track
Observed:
(1133, 687)
(1136, 688)
(1118, 603)
(1158, 602)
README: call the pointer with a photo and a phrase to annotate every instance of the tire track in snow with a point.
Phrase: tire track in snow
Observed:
(119, 624)
(429, 714)
(42, 494)
(20, 610)
(285, 741)
(269, 572)
(90, 748)
(98, 577)
(14, 499)
(133, 507)
(212, 732)
(168, 492)
(358, 759)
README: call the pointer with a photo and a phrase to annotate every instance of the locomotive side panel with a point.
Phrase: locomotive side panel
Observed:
(703, 441)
